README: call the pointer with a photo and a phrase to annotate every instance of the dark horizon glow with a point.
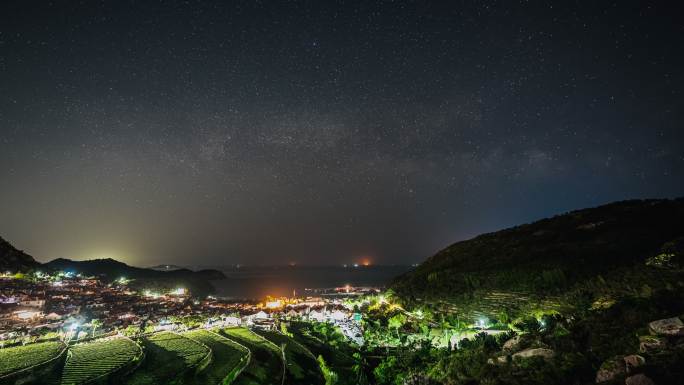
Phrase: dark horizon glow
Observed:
(211, 133)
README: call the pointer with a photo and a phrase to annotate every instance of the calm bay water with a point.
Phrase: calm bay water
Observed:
(258, 282)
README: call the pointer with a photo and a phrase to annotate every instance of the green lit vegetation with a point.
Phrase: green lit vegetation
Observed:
(168, 357)
(577, 346)
(302, 366)
(578, 289)
(13, 359)
(228, 358)
(266, 365)
(335, 353)
(92, 360)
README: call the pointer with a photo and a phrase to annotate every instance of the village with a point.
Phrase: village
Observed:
(72, 307)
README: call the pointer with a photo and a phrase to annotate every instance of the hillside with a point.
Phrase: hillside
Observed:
(565, 300)
(114, 269)
(110, 269)
(550, 255)
(14, 260)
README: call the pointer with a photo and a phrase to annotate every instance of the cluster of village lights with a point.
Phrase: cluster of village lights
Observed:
(152, 294)
(40, 275)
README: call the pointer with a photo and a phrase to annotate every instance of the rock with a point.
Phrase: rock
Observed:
(512, 344)
(498, 360)
(667, 327)
(634, 361)
(611, 370)
(537, 352)
(639, 379)
(417, 379)
(648, 344)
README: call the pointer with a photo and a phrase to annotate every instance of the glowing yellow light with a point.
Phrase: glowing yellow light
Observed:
(151, 294)
(274, 304)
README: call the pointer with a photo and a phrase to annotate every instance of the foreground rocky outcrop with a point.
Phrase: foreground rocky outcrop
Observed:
(667, 336)
(639, 379)
(534, 352)
(512, 344)
(512, 351)
(612, 369)
(667, 327)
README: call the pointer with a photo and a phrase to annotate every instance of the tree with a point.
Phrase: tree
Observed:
(329, 375)
(396, 322)
(130, 331)
(96, 323)
(359, 368)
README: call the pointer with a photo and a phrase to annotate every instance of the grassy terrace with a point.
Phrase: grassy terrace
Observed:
(336, 353)
(21, 357)
(96, 359)
(266, 366)
(167, 357)
(302, 367)
(228, 358)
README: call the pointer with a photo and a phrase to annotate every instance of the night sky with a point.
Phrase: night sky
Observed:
(319, 132)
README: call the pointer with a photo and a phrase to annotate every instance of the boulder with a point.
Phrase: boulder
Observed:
(417, 379)
(667, 327)
(649, 344)
(535, 352)
(611, 370)
(634, 361)
(512, 344)
(638, 379)
(498, 360)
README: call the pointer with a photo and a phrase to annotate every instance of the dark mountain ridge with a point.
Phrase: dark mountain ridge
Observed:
(550, 253)
(114, 269)
(109, 270)
(14, 260)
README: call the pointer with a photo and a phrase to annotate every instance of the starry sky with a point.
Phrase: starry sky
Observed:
(323, 132)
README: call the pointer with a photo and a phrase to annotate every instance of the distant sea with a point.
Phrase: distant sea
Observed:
(257, 282)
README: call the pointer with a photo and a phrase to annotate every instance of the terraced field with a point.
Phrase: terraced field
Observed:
(96, 359)
(302, 367)
(235, 355)
(266, 365)
(227, 360)
(338, 357)
(168, 356)
(21, 357)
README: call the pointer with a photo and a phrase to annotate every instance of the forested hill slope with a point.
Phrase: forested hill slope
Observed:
(552, 252)
(198, 282)
(109, 269)
(14, 260)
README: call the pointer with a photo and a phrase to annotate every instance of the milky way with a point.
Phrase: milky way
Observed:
(319, 132)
